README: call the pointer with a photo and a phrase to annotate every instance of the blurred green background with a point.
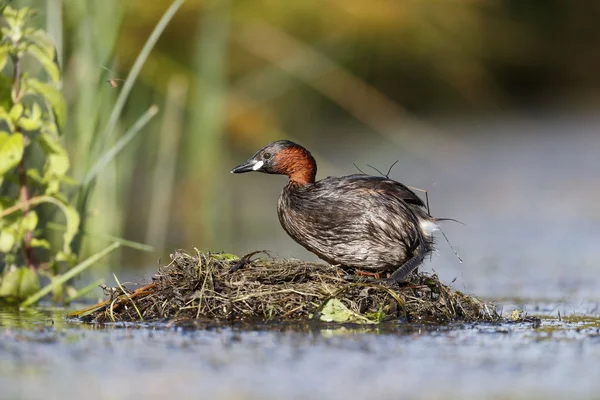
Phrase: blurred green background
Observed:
(232, 75)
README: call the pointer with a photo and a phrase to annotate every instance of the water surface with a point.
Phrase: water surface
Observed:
(44, 356)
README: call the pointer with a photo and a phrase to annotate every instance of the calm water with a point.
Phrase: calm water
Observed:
(42, 356)
(528, 193)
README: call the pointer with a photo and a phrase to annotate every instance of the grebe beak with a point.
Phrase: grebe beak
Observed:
(248, 166)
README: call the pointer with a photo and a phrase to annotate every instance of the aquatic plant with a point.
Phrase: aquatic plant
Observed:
(34, 163)
(33, 159)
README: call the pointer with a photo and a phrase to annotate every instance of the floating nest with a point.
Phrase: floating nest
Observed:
(201, 287)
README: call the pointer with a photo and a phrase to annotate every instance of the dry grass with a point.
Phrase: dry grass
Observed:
(201, 287)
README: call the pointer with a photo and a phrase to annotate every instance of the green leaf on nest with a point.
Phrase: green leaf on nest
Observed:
(225, 256)
(335, 311)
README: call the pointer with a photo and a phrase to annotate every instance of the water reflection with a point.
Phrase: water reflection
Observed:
(27, 319)
(40, 359)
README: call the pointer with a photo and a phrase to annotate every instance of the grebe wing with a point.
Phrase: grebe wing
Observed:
(379, 184)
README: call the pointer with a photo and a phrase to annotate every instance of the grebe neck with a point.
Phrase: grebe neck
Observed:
(298, 164)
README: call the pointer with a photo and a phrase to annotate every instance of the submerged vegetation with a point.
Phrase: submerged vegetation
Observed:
(201, 286)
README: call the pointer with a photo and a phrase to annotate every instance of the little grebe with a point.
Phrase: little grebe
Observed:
(366, 222)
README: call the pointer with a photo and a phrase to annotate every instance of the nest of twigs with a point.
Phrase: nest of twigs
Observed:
(201, 286)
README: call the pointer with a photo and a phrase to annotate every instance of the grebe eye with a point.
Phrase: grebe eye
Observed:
(266, 156)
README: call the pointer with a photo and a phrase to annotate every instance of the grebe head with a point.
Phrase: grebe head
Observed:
(285, 158)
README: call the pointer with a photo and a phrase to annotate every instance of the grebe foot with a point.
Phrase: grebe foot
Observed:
(375, 275)
(411, 265)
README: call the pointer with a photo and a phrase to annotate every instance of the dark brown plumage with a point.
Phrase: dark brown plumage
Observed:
(367, 222)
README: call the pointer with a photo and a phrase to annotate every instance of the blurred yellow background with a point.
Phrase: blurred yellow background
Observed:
(359, 81)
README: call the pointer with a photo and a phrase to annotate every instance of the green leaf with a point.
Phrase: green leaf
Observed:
(19, 283)
(376, 316)
(16, 112)
(5, 96)
(11, 17)
(3, 56)
(42, 41)
(11, 233)
(23, 15)
(68, 258)
(34, 175)
(335, 311)
(51, 96)
(7, 240)
(14, 227)
(57, 162)
(57, 291)
(29, 222)
(5, 105)
(5, 202)
(71, 217)
(29, 124)
(10, 284)
(53, 149)
(43, 243)
(225, 256)
(30, 283)
(46, 60)
(72, 224)
(29, 120)
(5, 32)
(36, 111)
(11, 151)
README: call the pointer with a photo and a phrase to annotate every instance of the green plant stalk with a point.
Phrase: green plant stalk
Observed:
(111, 153)
(102, 162)
(125, 243)
(85, 290)
(98, 145)
(54, 25)
(91, 45)
(163, 182)
(72, 273)
(129, 297)
(94, 97)
(21, 206)
(207, 140)
(24, 198)
(135, 70)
